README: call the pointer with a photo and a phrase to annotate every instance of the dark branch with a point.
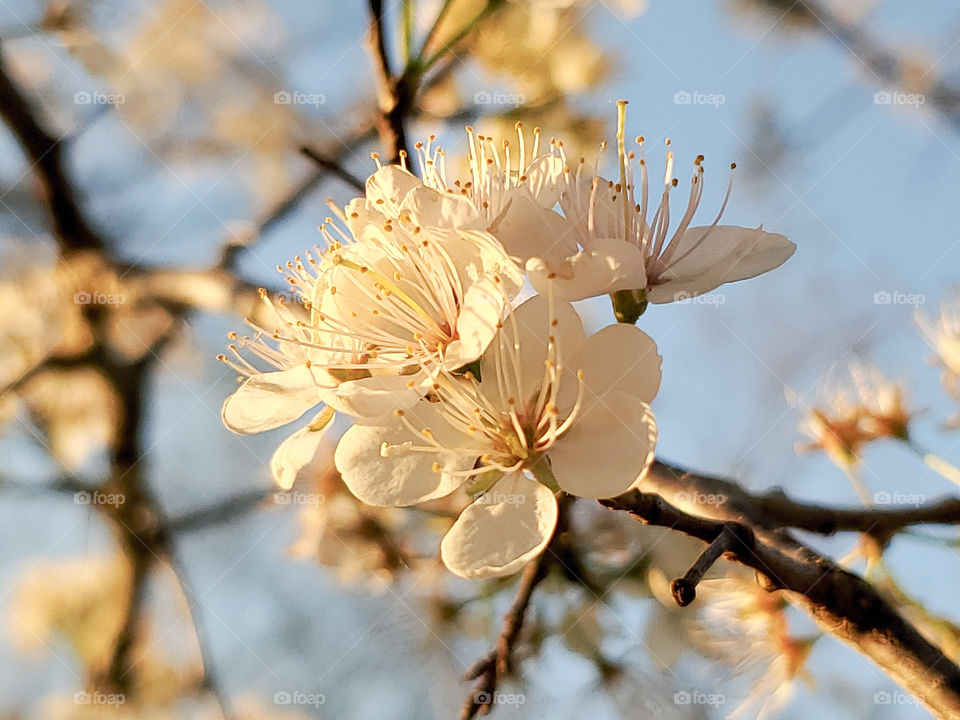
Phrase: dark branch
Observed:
(44, 152)
(841, 602)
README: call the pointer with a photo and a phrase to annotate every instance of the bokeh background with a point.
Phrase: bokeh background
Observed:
(183, 123)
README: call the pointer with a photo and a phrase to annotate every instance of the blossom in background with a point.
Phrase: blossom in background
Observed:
(943, 335)
(382, 312)
(855, 411)
(747, 626)
(618, 252)
(546, 403)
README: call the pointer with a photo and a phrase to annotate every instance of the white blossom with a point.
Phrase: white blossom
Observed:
(547, 403)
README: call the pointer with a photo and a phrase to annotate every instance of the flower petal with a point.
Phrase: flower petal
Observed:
(528, 329)
(387, 188)
(502, 530)
(377, 398)
(610, 265)
(401, 475)
(727, 254)
(298, 450)
(269, 400)
(622, 431)
(527, 230)
(543, 179)
(618, 358)
(484, 305)
(431, 208)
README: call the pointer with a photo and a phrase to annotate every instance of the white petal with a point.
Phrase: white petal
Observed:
(618, 358)
(527, 230)
(431, 208)
(502, 530)
(379, 397)
(528, 329)
(269, 400)
(543, 180)
(484, 305)
(727, 254)
(610, 265)
(387, 188)
(403, 476)
(298, 450)
(608, 449)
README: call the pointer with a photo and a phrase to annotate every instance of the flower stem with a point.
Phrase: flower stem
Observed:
(936, 463)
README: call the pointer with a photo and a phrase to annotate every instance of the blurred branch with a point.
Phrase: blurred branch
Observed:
(489, 669)
(496, 664)
(394, 93)
(883, 63)
(841, 602)
(332, 166)
(45, 155)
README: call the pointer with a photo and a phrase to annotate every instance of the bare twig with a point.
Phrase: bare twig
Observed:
(332, 166)
(730, 537)
(489, 669)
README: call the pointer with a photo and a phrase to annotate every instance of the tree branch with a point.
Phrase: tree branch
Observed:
(45, 153)
(841, 602)
(394, 92)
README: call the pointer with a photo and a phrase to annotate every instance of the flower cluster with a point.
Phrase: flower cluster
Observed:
(409, 323)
